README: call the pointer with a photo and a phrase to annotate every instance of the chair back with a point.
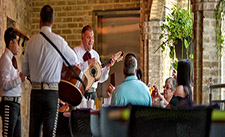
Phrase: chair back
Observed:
(159, 122)
(95, 123)
(80, 123)
(112, 127)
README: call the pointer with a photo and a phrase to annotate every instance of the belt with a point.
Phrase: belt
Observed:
(44, 86)
(12, 99)
(92, 90)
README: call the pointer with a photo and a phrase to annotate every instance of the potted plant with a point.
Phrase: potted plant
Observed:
(219, 16)
(177, 31)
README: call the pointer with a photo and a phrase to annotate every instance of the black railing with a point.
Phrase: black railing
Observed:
(213, 86)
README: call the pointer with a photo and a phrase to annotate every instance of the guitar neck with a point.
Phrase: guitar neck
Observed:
(117, 57)
(106, 63)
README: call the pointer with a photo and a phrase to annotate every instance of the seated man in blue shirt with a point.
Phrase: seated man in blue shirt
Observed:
(132, 90)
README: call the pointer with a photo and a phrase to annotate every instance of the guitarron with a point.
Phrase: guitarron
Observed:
(70, 88)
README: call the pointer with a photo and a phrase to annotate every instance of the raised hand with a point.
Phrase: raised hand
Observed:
(110, 90)
(174, 74)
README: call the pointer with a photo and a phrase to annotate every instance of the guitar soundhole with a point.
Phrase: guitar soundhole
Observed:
(93, 71)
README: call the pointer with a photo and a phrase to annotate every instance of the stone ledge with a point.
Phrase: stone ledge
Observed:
(204, 6)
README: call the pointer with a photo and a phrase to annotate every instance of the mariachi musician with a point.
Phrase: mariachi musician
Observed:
(44, 64)
(86, 52)
(10, 81)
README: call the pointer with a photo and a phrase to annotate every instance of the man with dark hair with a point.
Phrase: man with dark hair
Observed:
(44, 65)
(86, 52)
(47, 14)
(132, 90)
(10, 90)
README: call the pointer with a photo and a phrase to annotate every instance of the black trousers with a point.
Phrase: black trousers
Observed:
(44, 106)
(91, 94)
(11, 119)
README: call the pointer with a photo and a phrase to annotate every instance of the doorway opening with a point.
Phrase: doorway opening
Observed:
(116, 30)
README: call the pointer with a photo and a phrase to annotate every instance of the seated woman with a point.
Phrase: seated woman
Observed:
(169, 88)
(182, 97)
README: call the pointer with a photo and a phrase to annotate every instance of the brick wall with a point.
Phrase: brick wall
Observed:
(72, 15)
(183, 3)
(223, 61)
(211, 61)
(156, 62)
(206, 59)
(153, 60)
(159, 65)
(19, 11)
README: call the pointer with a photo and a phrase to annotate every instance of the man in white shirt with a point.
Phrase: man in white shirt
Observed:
(10, 90)
(44, 64)
(86, 52)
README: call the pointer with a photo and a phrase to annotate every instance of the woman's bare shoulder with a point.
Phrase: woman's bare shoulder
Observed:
(180, 91)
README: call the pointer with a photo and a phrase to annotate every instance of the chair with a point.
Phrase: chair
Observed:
(95, 123)
(112, 127)
(159, 122)
(218, 123)
(80, 123)
(63, 129)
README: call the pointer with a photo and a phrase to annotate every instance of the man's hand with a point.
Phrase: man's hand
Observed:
(22, 77)
(112, 61)
(110, 90)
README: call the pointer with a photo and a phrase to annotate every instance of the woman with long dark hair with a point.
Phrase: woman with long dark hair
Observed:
(183, 94)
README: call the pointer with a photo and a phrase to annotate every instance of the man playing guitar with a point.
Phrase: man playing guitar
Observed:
(86, 52)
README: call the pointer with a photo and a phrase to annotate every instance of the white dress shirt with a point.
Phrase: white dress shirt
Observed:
(41, 60)
(80, 51)
(9, 76)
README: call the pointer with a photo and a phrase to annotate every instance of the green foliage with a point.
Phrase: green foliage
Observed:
(220, 11)
(175, 64)
(176, 26)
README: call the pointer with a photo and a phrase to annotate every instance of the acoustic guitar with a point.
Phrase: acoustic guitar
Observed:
(70, 88)
(94, 72)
